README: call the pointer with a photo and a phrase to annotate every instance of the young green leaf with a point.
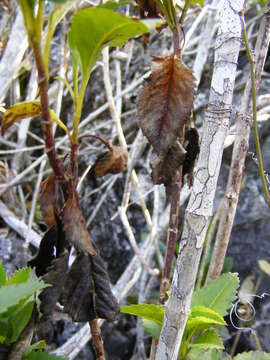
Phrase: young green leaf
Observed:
(151, 327)
(146, 311)
(56, 15)
(19, 319)
(209, 339)
(20, 276)
(200, 2)
(12, 294)
(2, 275)
(39, 355)
(94, 28)
(201, 317)
(253, 355)
(212, 354)
(40, 345)
(218, 295)
(113, 5)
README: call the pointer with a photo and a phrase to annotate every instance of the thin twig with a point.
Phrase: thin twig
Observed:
(254, 109)
(119, 130)
(132, 240)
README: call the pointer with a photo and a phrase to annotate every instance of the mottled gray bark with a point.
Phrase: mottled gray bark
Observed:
(240, 148)
(200, 205)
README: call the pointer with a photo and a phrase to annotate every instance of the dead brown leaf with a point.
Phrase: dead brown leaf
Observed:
(113, 161)
(164, 105)
(48, 199)
(87, 294)
(75, 230)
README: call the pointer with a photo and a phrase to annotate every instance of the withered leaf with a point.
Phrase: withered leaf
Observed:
(51, 246)
(18, 112)
(192, 150)
(56, 277)
(87, 294)
(148, 8)
(75, 230)
(48, 199)
(113, 161)
(164, 168)
(164, 105)
(46, 252)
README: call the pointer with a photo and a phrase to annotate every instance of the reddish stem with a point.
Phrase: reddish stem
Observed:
(97, 339)
(55, 162)
(105, 142)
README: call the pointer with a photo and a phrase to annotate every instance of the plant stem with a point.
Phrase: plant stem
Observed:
(56, 164)
(171, 236)
(97, 339)
(254, 108)
(184, 11)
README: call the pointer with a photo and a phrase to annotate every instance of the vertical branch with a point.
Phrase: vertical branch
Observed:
(199, 210)
(56, 164)
(240, 148)
(175, 203)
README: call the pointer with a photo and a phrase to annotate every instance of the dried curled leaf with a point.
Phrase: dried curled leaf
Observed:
(87, 294)
(164, 168)
(57, 276)
(113, 161)
(164, 105)
(148, 8)
(163, 110)
(75, 230)
(48, 199)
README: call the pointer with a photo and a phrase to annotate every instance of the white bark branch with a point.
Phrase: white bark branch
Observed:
(200, 205)
(240, 148)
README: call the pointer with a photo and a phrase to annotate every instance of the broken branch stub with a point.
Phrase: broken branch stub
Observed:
(163, 109)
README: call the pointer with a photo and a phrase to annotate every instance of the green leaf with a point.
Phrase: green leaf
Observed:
(96, 27)
(228, 264)
(2, 275)
(2, 339)
(198, 354)
(152, 328)
(5, 331)
(146, 311)
(201, 318)
(38, 355)
(58, 1)
(253, 355)
(113, 5)
(218, 295)
(200, 2)
(56, 15)
(209, 339)
(40, 345)
(11, 295)
(19, 319)
(20, 276)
